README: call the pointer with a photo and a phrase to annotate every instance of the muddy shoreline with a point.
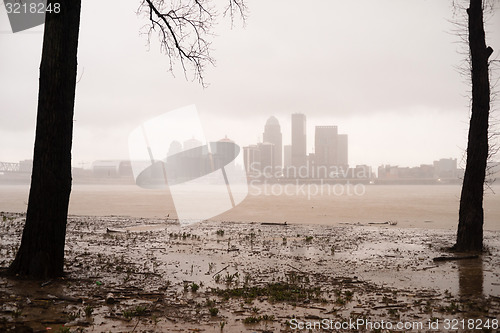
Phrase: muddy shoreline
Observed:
(150, 275)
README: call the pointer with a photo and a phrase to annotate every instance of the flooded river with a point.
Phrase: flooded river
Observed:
(421, 206)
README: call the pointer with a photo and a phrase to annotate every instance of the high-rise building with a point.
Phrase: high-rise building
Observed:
(299, 140)
(342, 151)
(287, 153)
(272, 134)
(251, 159)
(266, 158)
(325, 146)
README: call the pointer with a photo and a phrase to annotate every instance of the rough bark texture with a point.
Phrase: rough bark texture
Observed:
(470, 226)
(41, 253)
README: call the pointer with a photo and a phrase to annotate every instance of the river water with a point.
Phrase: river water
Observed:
(420, 206)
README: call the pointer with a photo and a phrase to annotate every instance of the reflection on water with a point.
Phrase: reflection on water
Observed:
(470, 277)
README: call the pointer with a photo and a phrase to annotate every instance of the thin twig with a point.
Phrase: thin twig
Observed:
(220, 271)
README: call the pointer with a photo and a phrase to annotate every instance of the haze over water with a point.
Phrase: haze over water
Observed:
(420, 206)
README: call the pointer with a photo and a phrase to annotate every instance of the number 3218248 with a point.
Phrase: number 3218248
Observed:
(470, 324)
(32, 8)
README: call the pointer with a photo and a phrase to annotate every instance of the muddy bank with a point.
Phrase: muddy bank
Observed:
(150, 275)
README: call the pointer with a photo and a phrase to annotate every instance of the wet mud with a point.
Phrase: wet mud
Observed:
(150, 275)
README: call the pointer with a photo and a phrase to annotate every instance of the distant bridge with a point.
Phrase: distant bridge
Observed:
(9, 167)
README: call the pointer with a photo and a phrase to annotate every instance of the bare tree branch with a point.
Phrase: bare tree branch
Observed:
(184, 29)
(236, 8)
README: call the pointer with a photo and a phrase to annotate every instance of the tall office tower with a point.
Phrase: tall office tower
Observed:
(191, 163)
(251, 160)
(325, 146)
(272, 134)
(299, 140)
(287, 156)
(342, 151)
(266, 158)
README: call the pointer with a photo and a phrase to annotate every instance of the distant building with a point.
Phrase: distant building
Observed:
(184, 163)
(342, 150)
(299, 140)
(388, 172)
(192, 143)
(251, 160)
(361, 172)
(325, 146)
(26, 166)
(267, 165)
(426, 171)
(259, 160)
(226, 139)
(111, 169)
(272, 134)
(443, 169)
(446, 168)
(287, 161)
(224, 154)
(174, 148)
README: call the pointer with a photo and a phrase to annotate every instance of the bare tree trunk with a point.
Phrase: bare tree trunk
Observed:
(470, 226)
(41, 254)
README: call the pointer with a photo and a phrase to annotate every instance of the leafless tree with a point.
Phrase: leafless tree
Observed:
(471, 214)
(185, 29)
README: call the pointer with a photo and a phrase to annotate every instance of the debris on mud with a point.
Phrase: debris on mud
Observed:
(154, 276)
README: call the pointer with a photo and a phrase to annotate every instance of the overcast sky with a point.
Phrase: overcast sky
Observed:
(384, 71)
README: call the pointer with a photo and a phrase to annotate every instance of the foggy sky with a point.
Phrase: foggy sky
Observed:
(385, 72)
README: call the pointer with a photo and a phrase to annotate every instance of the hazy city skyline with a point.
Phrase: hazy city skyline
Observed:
(389, 80)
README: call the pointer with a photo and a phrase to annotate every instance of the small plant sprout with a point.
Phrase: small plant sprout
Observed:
(213, 311)
(88, 310)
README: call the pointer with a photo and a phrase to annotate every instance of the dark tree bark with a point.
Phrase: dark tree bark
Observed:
(41, 254)
(470, 226)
